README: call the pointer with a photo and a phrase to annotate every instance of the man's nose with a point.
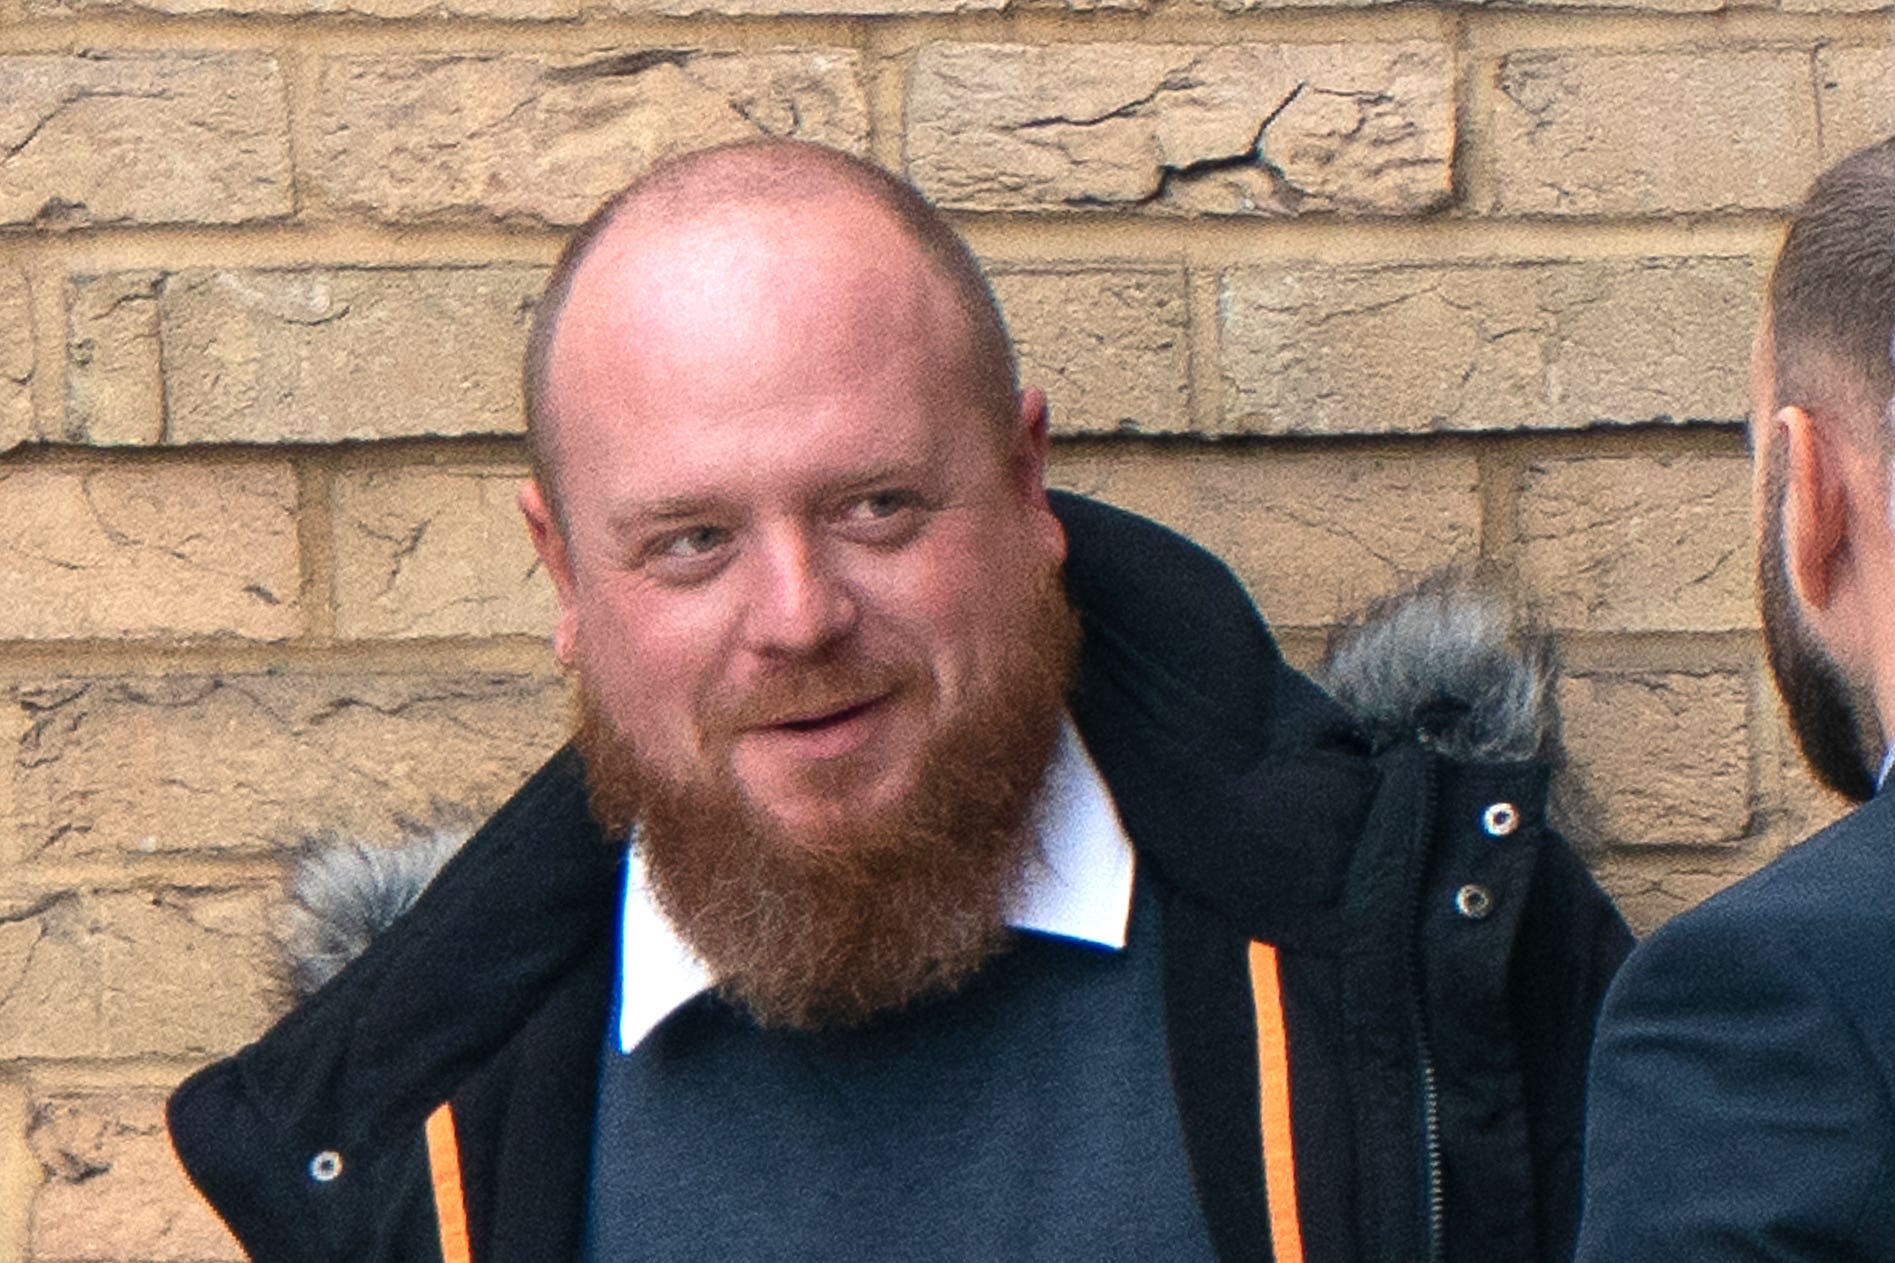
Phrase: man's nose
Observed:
(800, 603)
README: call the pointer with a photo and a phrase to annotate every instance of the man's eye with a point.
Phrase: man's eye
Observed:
(699, 541)
(881, 504)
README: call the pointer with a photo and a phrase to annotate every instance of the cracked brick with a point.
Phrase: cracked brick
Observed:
(1652, 886)
(543, 139)
(114, 387)
(436, 553)
(1639, 543)
(1657, 758)
(323, 355)
(18, 354)
(513, 10)
(144, 138)
(109, 1186)
(165, 972)
(1400, 349)
(211, 764)
(1652, 133)
(144, 551)
(1232, 129)
(1314, 537)
(1111, 346)
(1857, 89)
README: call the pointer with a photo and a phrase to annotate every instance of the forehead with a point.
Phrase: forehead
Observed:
(773, 323)
(741, 288)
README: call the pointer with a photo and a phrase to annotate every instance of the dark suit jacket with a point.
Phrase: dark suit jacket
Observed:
(1743, 1081)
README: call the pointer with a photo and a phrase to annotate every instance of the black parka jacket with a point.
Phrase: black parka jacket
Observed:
(1382, 968)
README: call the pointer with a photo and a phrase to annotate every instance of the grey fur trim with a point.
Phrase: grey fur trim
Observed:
(1448, 664)
(344, 892)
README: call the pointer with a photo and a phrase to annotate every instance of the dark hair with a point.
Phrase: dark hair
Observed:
(1832, 293)
(768, 171)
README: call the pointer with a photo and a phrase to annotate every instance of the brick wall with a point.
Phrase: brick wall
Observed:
(1346, 290)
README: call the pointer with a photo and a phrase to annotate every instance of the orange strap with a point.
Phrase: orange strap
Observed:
(1273, 1078)
(444, 1162)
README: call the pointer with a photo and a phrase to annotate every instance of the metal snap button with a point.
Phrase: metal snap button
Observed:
(1499, 820)
(1474, 902)
(325, 1166)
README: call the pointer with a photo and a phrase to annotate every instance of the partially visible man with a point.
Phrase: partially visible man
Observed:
(942, 871)
(1744, 1081)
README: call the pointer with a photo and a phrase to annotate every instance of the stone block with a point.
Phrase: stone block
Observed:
(1230, 129)
(143, 138)
(259, 763)
(1391, 348)
(1639, 543)
(1651, 887)
(135, 973)
(143, 550)
(326, 355)
(1857, 90)
(1111, 346)
(798, 8)
(1313, 536)
(544, 139)
(1586, 132)
(516, 10)
(110, 1187)
(436, 553)
(114, 385)
(18, 356)
(1657, 758)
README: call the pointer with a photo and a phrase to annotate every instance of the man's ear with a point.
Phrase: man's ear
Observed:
(549, 541)
(1816, 539)
(1033, 444)
(1033, 436)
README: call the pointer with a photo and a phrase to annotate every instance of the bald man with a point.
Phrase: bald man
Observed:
(940, 869)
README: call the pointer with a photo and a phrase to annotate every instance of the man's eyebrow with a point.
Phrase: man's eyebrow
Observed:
(634, 516)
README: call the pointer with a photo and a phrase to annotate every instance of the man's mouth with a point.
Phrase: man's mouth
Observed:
(827, 716)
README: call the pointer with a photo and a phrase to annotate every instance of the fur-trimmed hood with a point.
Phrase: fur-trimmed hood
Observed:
(1446, 663)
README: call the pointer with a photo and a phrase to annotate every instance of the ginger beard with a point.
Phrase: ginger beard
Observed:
(824, 930)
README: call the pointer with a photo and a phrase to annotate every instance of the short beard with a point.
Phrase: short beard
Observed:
(882, 909)
(1833, 720)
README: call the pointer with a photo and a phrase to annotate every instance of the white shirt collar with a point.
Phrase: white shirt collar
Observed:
(1079, 887)
(1888, 765)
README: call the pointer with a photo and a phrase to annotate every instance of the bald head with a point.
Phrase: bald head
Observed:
(712, 237)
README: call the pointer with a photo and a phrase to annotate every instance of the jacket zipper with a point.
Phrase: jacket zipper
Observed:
(1430, 1095)
(1431, 1128)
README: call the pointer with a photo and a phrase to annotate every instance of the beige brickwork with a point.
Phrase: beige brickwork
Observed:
(258, 763)
(1660, 758)
(1627, 543)
(1348, 290)
(1111, 346)
(149, 551)
(436, 554)
(324, 355)
(114, 386)
(1652, 133)
(143, 138)
(1858, 97)
(1229, 129)
(18, 358)
(111, 974)
(543, 139)
(1396, 348)
(113, 1189)
(1312, 536)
